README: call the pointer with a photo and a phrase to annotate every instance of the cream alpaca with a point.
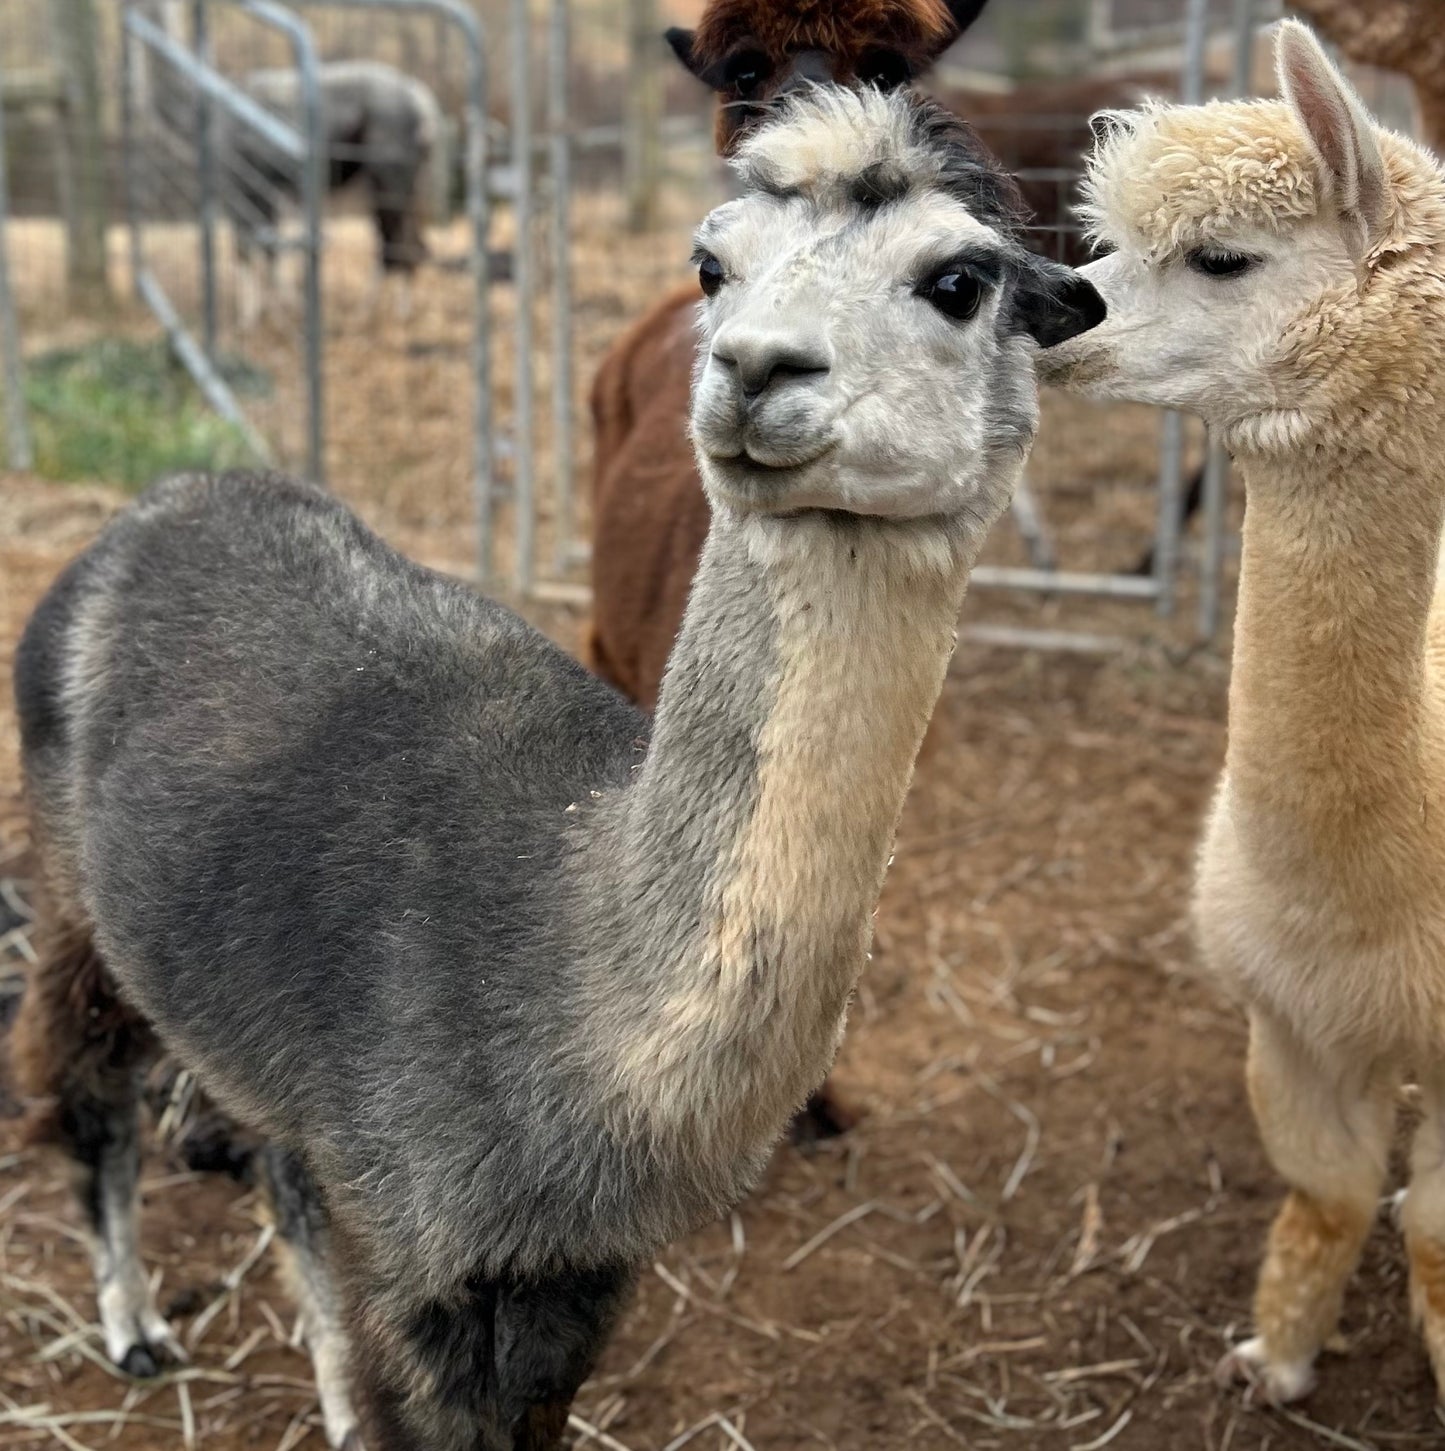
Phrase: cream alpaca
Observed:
(1279, 269)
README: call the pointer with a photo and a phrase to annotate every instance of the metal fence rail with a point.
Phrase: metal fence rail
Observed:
(208, 92)
(466, 24)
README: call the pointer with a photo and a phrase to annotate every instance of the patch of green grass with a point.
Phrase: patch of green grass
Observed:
(125, 413)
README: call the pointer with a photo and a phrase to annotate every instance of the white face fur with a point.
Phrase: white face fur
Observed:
(1219, 322)
(866, 356)
(1204, 330)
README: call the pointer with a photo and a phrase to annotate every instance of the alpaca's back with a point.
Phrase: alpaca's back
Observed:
(299, 784)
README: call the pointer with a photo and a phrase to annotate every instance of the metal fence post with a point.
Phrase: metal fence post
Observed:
(525, 500)
(559, 125)
(19, 449)
(201, 42)
(1171, 433)
(128, 154)
(644, 113)
(313, 192)
(1216, 462)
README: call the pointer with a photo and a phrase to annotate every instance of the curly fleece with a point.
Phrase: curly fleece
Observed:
(1173, 177)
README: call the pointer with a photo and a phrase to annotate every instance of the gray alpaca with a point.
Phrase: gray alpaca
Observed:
(518, 996)
(379, 125)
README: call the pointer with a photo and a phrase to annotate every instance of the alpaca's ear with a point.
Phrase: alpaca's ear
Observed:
(681, 41)
(1340, 132)
(965, 12)
(1053, 303)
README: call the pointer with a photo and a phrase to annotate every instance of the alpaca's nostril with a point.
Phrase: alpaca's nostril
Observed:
(761, 361)
(780, 372)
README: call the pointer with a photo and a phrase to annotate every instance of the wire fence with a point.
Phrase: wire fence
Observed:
(567, 161)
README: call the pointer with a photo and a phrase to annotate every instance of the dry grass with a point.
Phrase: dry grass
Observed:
(1041, 1234)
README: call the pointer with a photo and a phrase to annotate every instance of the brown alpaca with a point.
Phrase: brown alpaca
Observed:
(650, 516)
(1399, 35)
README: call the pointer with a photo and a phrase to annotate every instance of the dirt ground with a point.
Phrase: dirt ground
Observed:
(1043, 1231)
(1041, 1234)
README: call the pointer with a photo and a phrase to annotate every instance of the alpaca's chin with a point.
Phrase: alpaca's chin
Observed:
(747, 485)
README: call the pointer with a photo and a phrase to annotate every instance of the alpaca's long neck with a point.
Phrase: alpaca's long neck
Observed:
(1331, 725)
(753, 845)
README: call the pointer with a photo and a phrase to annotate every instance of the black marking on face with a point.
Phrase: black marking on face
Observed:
(878, 184)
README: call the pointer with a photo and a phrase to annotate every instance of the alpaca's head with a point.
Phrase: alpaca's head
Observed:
(752, 52)
(870, 321)
(1275, 266)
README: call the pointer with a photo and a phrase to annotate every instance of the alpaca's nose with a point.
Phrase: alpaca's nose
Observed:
(761, 358)
(810, 68)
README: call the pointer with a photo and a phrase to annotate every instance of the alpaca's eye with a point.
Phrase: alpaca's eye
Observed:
(955, 294)
(885, 69)
(746, 72)
(1219, 264)
(710, 275)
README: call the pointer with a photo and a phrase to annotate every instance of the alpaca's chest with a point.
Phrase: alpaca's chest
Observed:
(1350, 951)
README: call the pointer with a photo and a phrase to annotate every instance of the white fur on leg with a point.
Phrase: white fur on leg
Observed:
(325, 1337)
(1278, 1383)
(333, 1388)
(137, 1337)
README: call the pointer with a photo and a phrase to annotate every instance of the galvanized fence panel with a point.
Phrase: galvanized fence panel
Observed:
(578, 166)
(196, 139)
(454, 69)
(387, 392)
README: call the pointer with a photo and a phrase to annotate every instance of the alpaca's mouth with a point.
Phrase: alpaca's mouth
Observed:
(757, 455)
(753, 483)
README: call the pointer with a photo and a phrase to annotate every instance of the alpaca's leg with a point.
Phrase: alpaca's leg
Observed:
(301, 1229)
(494, 1369)
(1423, 1216)
(80, 1054)
(405, 301)
(548, 1338)
(1326, 1128)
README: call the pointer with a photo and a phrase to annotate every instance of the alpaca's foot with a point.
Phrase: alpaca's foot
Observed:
(1278, 1382)
(1427, 1302)
(137, 1337)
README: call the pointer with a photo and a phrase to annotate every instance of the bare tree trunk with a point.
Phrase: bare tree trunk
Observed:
(77, 44)
(643, 153)
(1432, 116)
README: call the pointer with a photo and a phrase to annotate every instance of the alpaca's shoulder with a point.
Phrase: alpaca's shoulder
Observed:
(267, 601)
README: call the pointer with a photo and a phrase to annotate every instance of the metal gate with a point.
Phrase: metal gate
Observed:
(171, 99)
(193, 126)
(551, 533)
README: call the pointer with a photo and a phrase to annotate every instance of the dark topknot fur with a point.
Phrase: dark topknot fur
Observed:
(968, 170)
(918, 29)
(931, 150)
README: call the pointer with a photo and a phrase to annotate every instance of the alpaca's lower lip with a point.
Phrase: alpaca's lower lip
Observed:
(744, 460)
